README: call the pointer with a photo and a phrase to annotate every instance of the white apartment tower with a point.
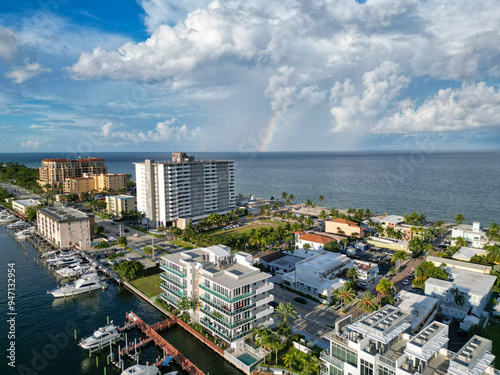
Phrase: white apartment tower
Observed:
(234, 295)
(184, 188)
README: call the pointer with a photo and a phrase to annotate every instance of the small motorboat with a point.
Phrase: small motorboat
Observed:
(141, 370)
(66, 262)
(48, 254)
(101, 337)
(7, 218)
(17, 225)
(75, 270)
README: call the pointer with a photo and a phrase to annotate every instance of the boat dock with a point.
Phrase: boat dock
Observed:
(152, 333)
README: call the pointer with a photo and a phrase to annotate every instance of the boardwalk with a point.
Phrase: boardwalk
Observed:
(151, 333)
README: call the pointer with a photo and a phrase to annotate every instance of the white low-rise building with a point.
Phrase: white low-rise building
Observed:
(473, 234)
(466, 253)
(367, 272)
(422, 309)
(474, 289)
(21, 205)
(381, 344)
(234, 295)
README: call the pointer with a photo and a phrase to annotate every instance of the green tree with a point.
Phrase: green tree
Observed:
(285, 310)
(148, 250)
(321, 198)
(399, 257)
(352, 273)
(345, 294)
(122, 241)
(31, 213)
(129, 269)
(458, 296)
(385, 287)
(290, 359)
(367, 303)
(479, 330)
(332, 246)
(460, 241)
(459, 219)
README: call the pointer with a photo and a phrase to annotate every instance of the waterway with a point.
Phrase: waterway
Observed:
(44, 326)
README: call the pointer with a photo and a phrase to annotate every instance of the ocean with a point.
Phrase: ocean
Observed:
(441, 185)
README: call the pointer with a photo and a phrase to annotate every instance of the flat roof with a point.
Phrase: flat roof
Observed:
(64, 214)
(392, 219)
(27, 202)
(453, 263)
(468, 282)
(417, 305)
(468, 252)
(121, 196)
(322, 260)
(428, 341)
(286, 261)
(473, 358)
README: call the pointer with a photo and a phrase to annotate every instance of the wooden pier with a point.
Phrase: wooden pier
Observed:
(152, 333)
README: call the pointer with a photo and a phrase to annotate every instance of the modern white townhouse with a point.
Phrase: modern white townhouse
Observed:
(234, 295)
(184, 190)
(473, 234)
(380, 344)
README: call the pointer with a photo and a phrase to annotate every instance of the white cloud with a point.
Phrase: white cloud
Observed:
(29, 70)
(469, 107)
(163, 131)
(8, 41)
(31, 145)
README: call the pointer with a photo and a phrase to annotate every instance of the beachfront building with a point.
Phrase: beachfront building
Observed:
(317, 275)
(381, 344)
(111, 182)
(21, 205)
(65, 227)
(473, 234)
(54, 172)
(466, 253)
(344, 227)
(391, 221)
(234, 295)
(119, 204)
(474, 292)
(184, 190)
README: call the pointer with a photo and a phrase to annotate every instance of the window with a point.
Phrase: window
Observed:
(335, 371)
(382, 370)
(344, 354)
(366, 368)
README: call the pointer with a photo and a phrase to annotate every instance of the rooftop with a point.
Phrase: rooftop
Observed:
(466, 253)
(81, 160)
(468, 282)
(64, 214)
(428, 342)
(344, 221)
(453, 263)
(392, 219)
(322, 260)
(417, 305)
(383, 325)
(473, 358)
(269, 257)
(286, 261)
(311, 237)
(27, 202)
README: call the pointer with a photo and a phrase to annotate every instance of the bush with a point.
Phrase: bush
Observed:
(130, 269)
(148, 250)
(122, 241)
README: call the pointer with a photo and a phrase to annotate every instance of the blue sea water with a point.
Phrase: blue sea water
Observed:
(440, 185)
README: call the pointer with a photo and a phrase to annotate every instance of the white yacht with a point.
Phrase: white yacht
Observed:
(6, 218)
(66, 262)
(141, 370)
(75, 270)
(84, 284)
(101, 337)
(17, 225)
(48, 254)
(25, 233)
(62, 255)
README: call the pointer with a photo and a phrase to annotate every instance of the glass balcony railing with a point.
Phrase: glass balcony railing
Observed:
(164, 277)
(225, 298)
(205, 298)
(224, 334)
(225, 321)
(164, 267)
(169, 298)
(325, 356)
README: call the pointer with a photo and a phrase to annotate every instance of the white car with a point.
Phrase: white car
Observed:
(406, 281)
(447, 320)
(136, 234)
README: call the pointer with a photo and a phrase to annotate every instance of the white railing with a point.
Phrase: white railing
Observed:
(264, 301)
(264, 288)
(261, 314)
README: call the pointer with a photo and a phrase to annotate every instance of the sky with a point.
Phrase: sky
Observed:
(249, 75)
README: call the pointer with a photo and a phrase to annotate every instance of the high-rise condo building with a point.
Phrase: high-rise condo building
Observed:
(55, 171)
(183, 190)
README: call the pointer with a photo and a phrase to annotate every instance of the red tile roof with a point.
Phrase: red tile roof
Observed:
(298, 232)
(344, 221)
(315, 238)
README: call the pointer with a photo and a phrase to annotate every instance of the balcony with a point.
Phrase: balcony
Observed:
(267, 311)
(164, 277)
(325, 356)
(226, 322)
(264, 288)
(264, 301)
(223, 309)
(225, 298)
(224, 334)
(169, 298)
(164, 267)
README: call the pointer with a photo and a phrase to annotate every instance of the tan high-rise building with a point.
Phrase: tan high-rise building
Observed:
(56, 171)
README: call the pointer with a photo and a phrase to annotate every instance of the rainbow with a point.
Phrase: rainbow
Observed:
(269, 132)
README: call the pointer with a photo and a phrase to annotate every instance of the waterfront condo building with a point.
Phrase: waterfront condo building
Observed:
(119, 204)
(55, 171)
(65, 227)
(234, 295)
(183, 190)
(381, 344)
(345, 227)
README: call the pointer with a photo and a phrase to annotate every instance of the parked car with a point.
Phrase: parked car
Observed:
(406, 281)
(447, 320)
(136, 235)
(112, 223)
(273, 304)
(300, 300)
(388, 277)
(417, 291)
(126, 230)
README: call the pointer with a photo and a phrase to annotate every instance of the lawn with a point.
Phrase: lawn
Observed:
(183, 244)
(149, 285)
(238, 231)
(493, 330)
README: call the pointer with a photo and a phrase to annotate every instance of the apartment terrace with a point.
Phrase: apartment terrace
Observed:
(474, 358)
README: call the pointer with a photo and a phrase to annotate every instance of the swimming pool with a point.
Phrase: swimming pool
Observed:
(247, 359)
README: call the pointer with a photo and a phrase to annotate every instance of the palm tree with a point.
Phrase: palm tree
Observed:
(352, 273)
(184, 304)
(321, 198)
(194, 304)
(367, 303)
(308, 204)
(460, 241)
(291, 197)
(276, 345)
(285, 310)
(290, 359)
(458, 296)
(399, 256)
(345, 294)
(429, 248)
(284, 196)
(385, 287)
(459, 219)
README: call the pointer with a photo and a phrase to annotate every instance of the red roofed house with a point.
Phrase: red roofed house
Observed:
(316, 241)
(346, 227)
